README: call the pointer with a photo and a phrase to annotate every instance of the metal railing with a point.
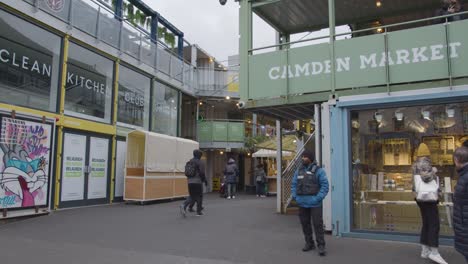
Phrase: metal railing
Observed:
(381, 28)
(288, 174)
(216, 82)
(221, 130)
(97, 19)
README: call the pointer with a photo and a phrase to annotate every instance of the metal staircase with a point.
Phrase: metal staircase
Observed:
(288, 174)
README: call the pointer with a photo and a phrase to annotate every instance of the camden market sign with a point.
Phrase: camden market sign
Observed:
(419, 54)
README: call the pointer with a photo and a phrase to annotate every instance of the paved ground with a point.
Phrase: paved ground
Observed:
(244, 230)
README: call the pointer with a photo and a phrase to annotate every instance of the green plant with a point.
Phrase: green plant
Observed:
(251, 142)
(168, 37)
(137, 17)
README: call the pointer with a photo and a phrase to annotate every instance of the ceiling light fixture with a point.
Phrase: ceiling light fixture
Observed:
(378, 117)
(426, 115)
(378, 3)
(450, 112)
(399, 116)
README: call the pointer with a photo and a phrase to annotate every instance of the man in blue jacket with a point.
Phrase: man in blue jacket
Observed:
(309, 188)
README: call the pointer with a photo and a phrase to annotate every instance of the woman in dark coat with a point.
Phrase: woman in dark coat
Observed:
(460, 202)
(231, 175)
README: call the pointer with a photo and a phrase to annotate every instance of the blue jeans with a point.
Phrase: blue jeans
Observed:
(260, 188)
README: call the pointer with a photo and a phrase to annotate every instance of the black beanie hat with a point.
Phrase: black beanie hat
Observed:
(309, 154)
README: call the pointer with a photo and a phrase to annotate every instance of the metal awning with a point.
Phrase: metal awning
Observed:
(287, 112)
(296, 16)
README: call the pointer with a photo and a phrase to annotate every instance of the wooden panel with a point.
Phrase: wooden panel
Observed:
(158, 174)
(134, 188)
(271, 185)
(135, 172)
(181, 187)
(159, 188)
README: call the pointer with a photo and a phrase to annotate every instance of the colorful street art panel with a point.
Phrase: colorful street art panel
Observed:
(24, 163)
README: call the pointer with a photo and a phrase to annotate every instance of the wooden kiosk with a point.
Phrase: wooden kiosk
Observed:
(154, 166)
(268, 158)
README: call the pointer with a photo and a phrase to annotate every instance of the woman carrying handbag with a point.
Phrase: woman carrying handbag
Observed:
(426, 188)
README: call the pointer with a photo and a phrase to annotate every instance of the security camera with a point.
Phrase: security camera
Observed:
(222, 2)
(241, 104)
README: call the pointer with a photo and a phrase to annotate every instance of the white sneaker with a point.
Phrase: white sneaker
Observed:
(437, 258)
(229, 197)
(233, 197)
(425, 252)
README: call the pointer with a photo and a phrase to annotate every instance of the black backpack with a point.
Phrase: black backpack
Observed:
(191, 169)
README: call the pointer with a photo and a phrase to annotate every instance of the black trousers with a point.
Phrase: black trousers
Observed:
(430, 224)
(195, 192)
(316, 215)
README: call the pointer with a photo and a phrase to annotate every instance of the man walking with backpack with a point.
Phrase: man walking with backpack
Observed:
(309, 188)
(195, 172)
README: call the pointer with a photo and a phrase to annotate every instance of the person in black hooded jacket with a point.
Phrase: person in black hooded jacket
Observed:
(195, 186)
(460, 202)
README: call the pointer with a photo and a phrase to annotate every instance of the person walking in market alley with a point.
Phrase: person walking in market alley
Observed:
(460, 202)
(309, 188)
(260, 180)
(427, 189)
(195, 172)
(231, 175)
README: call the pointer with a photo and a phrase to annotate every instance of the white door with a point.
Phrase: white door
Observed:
(120, 168)
(73, 168)
(98, 168)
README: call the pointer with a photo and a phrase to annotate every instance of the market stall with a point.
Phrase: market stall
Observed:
(154, 167)
(268, 158)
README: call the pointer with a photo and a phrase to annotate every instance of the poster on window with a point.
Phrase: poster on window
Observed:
(24, 163)
(73, 169)
(98, 163)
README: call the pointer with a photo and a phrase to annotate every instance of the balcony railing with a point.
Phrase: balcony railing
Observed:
(218, 83)
(221, 131)
(99, 20)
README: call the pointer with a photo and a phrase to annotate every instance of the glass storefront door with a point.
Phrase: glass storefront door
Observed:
(85, 170)
(385, 143)
(120, 169)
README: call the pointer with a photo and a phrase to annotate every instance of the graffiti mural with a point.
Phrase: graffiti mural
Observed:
(24, 163)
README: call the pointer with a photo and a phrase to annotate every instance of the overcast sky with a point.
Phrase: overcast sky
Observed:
(215, 28)
(211, 26)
